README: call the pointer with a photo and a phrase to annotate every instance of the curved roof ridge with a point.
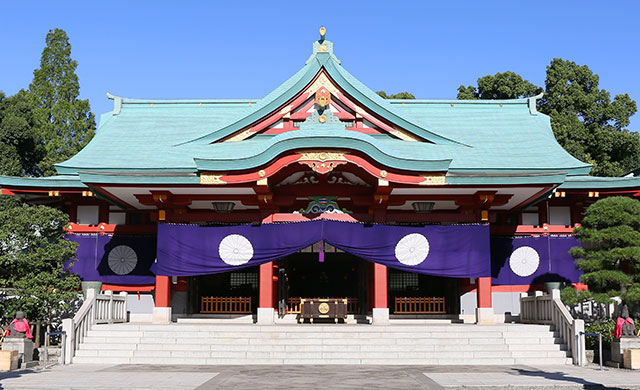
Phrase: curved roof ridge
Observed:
(262, 152)
(459, 101)
(263, 106)
(183, 101)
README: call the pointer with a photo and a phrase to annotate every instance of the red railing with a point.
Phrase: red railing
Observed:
(415, 305)
(233, 305)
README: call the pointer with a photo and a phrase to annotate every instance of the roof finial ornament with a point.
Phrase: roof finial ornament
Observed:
(323, 46)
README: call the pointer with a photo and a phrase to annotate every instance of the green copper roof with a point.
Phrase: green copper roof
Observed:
(60, 181)
(600, 183)
(465, 138)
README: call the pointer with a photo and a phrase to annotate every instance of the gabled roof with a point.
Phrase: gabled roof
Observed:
(324, 61)
(461, 137)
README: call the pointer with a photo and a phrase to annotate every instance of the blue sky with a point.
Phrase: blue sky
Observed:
(244, 49)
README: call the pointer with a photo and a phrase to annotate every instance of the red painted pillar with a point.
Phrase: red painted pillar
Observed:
(266, 286)
(379, 286)
(484, 292)
(163, 291)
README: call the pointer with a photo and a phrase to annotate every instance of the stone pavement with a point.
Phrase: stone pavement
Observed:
(98, 377)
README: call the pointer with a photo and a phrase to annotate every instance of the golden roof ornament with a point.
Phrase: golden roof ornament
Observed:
(322, 45)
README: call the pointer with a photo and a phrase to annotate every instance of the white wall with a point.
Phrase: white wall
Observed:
(560, 215)
(88, 215)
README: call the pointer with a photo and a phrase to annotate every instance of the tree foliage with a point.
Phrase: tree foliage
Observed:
(20, 144)
(64, 122)
(585, 120)
(610, 252)
(33, 252)
(400, 95)
(507, 85)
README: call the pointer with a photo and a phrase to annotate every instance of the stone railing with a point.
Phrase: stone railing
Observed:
(549, 309)
(103, 308)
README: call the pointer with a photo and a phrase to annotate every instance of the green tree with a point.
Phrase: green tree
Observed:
(585, 121)
(33, 252)
(507, 85)
(20, 144)
(400, 95)
(610, 252)
(65, 122)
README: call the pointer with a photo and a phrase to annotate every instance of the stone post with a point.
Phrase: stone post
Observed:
(69, 342)
(126, 313)
(579, 353)
(109, 293)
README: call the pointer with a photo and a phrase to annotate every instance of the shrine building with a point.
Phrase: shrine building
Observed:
(322, 189)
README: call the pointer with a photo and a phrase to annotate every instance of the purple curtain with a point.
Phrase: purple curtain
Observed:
(453, 250)
(92, 258)
(554, 264)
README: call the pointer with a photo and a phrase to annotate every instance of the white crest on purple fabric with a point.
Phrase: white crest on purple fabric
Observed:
(524, 261)
(235, 249)
(412, 249)
(122, 259)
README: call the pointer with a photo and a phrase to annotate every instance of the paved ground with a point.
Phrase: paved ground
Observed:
(97, 377)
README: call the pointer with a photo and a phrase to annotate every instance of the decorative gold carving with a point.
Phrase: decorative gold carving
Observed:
(323, 31)
(206, 178)
(323, 308)
(383, 173)
(322, 48)
(433, 180)
(323, 97)
(322, 161)
(262, 173)
(322, 81)
(322, 156)
(322, 118)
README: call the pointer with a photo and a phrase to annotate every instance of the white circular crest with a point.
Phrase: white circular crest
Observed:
(235, 249)
(412, 249)
(524, 261)
(122, 259)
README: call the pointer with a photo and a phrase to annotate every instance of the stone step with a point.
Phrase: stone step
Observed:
(321, 328)
(328, 361)
(392, 347)
(334, 334)
(210, 343)
(324, 354)
(116, 343)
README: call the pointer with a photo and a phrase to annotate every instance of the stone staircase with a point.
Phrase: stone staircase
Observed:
(448, 344)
